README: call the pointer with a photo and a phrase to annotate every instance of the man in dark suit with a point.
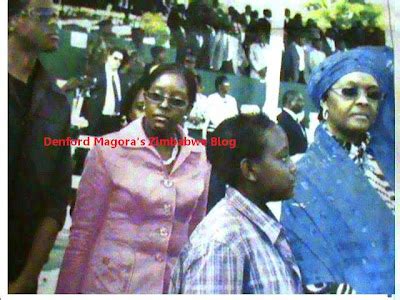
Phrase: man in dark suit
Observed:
(294, 59)
(102, 109)
(291, 120)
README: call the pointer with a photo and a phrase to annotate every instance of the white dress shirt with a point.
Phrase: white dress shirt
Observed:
(259, 56)
(109, 104)
(220, 108)
(300, 52)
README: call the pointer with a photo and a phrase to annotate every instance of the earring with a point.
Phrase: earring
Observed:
(325, 113)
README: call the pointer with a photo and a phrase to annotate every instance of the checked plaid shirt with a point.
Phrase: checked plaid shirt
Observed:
(236, 249)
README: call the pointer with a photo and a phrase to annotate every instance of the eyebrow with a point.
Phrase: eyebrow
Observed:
(351, 82)
(157, 89)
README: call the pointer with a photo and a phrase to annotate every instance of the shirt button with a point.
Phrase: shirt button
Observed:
(167, 183)
(159, 257)
(106, 261)
(163, 232)
(167, 209)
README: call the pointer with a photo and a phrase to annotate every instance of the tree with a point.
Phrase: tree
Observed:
(345, 13)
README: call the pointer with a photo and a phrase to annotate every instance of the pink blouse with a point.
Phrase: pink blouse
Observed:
(132, 217)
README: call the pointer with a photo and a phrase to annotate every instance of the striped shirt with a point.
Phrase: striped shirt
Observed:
(237, 249)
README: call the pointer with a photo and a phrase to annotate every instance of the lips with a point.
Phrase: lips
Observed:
(360, 115)
(160, 118)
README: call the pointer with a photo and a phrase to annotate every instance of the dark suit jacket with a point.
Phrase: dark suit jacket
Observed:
(93, 106)
(39, 176)
(291, 62)
(297, 139)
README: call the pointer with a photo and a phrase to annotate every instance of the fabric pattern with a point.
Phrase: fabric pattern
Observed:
(132, 217)
(347, 231)
(245, 253)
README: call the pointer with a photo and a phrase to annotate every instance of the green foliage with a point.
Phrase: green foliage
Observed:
(155, 25)
(345, 13)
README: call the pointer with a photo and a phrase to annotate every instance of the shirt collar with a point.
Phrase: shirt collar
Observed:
(356, 152)
(291, 113)
(264, 220)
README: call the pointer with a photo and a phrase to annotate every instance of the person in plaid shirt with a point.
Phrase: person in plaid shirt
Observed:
(240, 247)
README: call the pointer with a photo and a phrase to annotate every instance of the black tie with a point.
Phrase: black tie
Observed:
(116, 96)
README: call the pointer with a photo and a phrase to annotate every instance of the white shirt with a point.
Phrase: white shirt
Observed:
(199, 110)
(109, 104)
(300, 52)
(220, 108)
(331, 44)
(259, 56)
(316, 57)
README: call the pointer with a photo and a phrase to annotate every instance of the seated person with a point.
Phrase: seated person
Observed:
(133, 107)
(240, 247)
(196, 121)
(221, 105)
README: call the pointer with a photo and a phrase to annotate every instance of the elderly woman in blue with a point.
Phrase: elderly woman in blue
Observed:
(340, 223)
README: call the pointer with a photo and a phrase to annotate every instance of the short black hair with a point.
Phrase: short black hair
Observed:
(189, 77)
(220, 80)
(288, 95)
(15, 7)
(248, 131)
(111, 50)
(156, 50)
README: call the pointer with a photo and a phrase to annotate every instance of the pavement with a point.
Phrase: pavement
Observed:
(48, 277)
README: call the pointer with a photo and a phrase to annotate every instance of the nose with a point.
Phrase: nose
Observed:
(164, 103)
(362, 99)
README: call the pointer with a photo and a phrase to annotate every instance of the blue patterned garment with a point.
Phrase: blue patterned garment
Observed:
(237, 249)
(338, 227)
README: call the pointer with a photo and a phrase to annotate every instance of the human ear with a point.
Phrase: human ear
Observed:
(246, 167)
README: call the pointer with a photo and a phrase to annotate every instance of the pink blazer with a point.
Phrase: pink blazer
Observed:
(132, 218)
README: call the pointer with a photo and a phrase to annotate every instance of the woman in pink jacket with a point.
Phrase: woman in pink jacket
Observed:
(138, 204)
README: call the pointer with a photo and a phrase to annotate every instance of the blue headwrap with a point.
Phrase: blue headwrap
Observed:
(377, 61)
(333, 68)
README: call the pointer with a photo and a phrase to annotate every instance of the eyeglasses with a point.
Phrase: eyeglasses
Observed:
(353, 93)
(174, 102)
(43, 15)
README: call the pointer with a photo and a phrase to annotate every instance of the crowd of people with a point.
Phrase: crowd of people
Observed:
(239, 43)
(146, 218)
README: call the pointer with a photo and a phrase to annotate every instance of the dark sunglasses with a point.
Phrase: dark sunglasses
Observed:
(353, 93)
(157, 98)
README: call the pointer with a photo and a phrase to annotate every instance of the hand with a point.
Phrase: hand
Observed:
(262, 73)
(23, 286)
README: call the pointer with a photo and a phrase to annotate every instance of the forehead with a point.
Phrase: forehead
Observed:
(358, 78)
(171, 81)
(276, 140)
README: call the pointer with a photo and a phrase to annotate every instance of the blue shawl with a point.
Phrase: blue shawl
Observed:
(338, 227)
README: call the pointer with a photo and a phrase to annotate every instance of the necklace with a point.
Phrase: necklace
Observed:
(173, 155)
